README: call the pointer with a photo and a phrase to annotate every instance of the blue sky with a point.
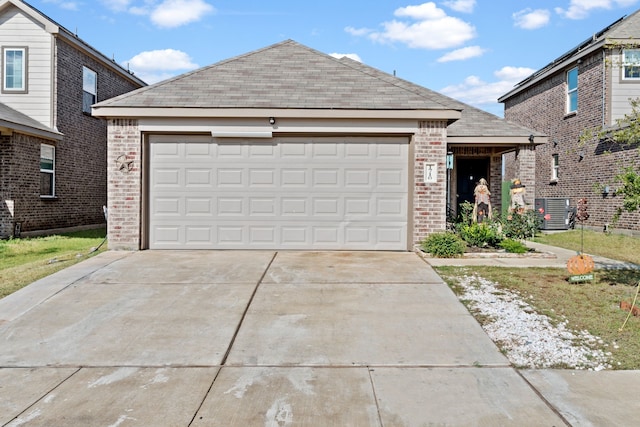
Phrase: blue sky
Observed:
(471, 50)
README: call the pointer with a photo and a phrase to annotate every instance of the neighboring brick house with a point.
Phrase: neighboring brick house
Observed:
(289, 148)
(588, 87)
(53, 152)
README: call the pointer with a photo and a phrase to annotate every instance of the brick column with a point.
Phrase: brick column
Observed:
(495, 182)
(526, 172)
(124, 190)
(429, 199)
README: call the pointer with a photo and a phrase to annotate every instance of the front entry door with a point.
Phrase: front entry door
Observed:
(469, 172)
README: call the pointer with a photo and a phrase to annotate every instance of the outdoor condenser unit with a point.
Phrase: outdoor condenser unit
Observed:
(559, 210)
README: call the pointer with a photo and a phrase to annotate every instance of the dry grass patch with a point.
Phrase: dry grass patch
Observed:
(591, 306)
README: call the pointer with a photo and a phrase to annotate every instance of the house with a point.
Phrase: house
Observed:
(52, 150)
(585, 88)
(289, 148)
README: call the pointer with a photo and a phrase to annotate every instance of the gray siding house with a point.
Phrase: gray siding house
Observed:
(289, 148)
(587, 87)
(52, 150)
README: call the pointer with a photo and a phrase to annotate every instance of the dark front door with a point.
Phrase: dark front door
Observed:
(469, 173)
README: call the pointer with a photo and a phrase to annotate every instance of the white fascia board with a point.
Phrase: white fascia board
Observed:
(495, 140)
(144, 112)
(28, 130)
(235, 126)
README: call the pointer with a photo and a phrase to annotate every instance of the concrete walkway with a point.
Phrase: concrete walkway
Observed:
(239, 338)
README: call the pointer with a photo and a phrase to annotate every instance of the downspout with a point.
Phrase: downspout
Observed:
(604, 86)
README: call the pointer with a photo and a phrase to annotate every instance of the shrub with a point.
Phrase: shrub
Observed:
(480, 234)
(513, 246)
(520, 226)
(443, 245)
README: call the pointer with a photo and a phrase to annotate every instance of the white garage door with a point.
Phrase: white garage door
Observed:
(280, 193)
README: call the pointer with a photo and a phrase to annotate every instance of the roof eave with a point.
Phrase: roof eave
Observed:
(497, 140)
(144, 112)
(28, 130)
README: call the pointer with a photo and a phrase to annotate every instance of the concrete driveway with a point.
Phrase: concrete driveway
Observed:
(239, 338)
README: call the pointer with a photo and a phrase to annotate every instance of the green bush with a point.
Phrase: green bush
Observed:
(444, 244)
(513, 246)
(480, 234)
(520, 226)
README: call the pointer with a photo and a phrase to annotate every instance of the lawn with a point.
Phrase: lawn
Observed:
(609, 245)
(23, 261)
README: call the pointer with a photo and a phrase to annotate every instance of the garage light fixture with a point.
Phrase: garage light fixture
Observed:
(272, 121)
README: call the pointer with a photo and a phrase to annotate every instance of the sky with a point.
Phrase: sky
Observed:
(471, 50)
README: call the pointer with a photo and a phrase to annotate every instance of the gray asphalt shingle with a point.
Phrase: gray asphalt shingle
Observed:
(289, 75)
(284, 75)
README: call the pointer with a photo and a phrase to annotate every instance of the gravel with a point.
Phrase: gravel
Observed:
(528, 339)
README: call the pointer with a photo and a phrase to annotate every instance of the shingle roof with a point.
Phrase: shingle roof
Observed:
(474, 121)
(16, 120)
(284, 75)
(290, 75)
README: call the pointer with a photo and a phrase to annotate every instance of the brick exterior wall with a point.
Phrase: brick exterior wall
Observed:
(81, 157)
(429, 199)
(125, 185)
(543, 107)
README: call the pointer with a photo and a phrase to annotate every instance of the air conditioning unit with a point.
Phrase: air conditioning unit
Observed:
(558, 209)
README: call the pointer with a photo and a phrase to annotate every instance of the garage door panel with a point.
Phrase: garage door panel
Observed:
(292, 194)
(292, 178)
(197, 177)
(262, 177)
(231, 206)
(262, 207)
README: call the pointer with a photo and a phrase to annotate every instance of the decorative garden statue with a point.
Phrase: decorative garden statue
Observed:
(517, 193)
(482, 206)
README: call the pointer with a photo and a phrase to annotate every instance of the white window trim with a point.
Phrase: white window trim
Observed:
(625, 64)
(52, 172)
(570, 91)
(25, 66)
(555, 167)
(92, 91)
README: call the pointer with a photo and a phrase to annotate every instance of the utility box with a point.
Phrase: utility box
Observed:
(559, 211)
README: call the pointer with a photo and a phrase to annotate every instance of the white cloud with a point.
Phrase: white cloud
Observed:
(462, 54)
(580, 9)
(156, 65)
(529, 19)
(464, 6)
(353, 56)
(475, 91)
(68, 5)
(174, 13)
(116, 5)
(358, 31)
(434, 29)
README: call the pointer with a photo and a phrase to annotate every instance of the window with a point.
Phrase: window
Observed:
(47, 170)
(555, 167)
(14, 69)
(631, 64)
(572, 90)
(89, 89)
